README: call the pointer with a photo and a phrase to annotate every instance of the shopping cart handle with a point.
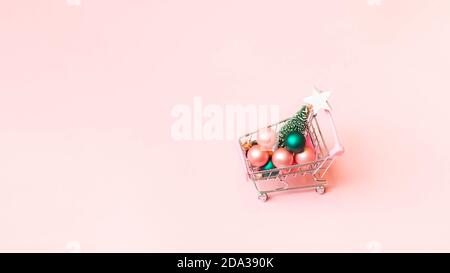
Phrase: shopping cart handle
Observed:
(338, 149)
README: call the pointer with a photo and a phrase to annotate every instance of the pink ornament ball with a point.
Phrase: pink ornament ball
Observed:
(308, 155)
(282, 158)
(266, 138)
(257, 156)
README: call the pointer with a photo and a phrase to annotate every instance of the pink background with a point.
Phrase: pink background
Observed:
(87, 161)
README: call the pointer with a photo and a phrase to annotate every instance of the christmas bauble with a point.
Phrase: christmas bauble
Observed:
(268, 166)
(257, 156)
(295, 142)
(266, 138)
(298, 123)
(282, 158)
(308, 155)
(248, 144)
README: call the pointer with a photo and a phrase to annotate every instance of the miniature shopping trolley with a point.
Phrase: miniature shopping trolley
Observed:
(277, 179)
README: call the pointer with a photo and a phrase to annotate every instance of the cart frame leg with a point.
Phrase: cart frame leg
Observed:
(320, 188)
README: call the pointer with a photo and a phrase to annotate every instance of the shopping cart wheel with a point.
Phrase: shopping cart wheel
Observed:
(262, 196)
(320, 189)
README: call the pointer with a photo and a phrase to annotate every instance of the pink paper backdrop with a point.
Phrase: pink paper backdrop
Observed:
(88, 163)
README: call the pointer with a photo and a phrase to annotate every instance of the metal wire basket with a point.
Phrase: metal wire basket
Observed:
(264, 180)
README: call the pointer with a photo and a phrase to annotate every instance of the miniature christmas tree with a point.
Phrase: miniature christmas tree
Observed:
(297, 123)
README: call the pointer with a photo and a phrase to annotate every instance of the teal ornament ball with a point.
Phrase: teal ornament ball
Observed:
(295, 142)
(269, 166)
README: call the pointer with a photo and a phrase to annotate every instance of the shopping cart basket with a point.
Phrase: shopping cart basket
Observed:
(268, 181)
